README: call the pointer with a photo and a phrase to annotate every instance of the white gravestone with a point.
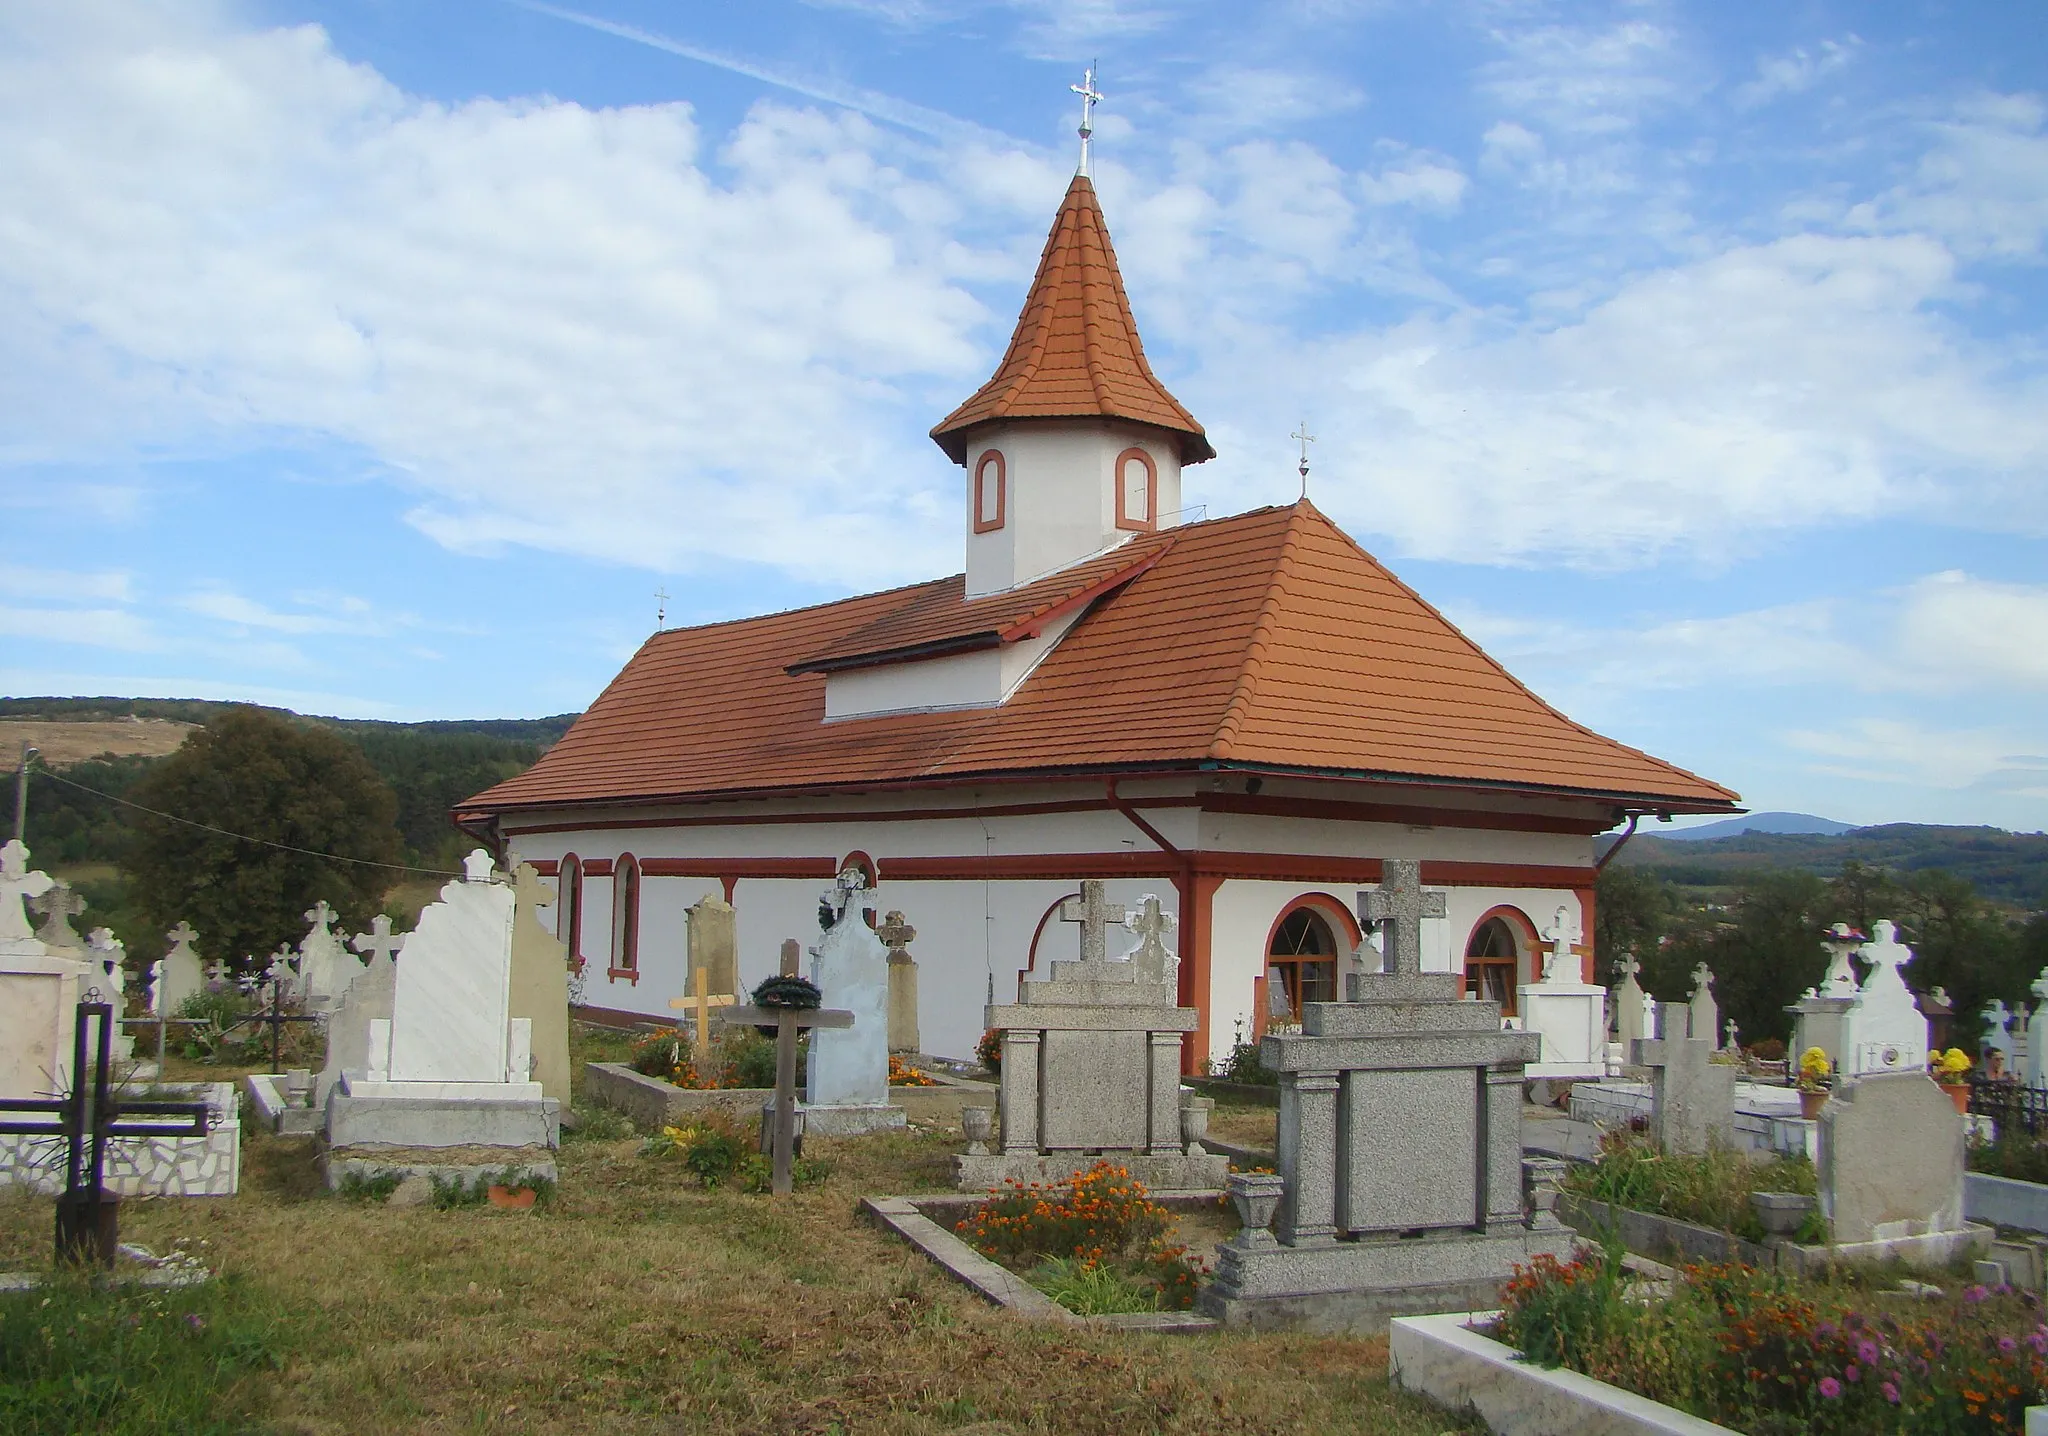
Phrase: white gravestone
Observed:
(110, 963)
(1889, 1031)
(1997, 1031)
(1826, 1015)
(2037, 1035)
(39, 989)
(450, 1011)
(179, 975)
(323, 963)
(1703, 1013)
(1569, 1015)
(846, 1081)
(58, 905)
(365, 998)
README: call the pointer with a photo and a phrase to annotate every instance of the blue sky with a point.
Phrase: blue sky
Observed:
(383, 359)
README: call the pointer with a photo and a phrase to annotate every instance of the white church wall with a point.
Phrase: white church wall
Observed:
(1061, 500)
(963, 680)
(1255, 833)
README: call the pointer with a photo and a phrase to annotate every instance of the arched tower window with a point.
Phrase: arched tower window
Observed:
(569, 907)
(1301, 964)
(626, 918)
(991, 492)
(1137, 490)
(1493, 958)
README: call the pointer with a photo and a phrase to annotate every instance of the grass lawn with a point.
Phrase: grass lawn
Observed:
(635, 1302)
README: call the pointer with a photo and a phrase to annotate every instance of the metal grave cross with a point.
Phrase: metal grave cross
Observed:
(1401, 904)
(1094, 914)
(787, 1022)
(701, 1004)
(278, 976)
(87, 1214)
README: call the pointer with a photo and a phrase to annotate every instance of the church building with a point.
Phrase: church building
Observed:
(1243, 716)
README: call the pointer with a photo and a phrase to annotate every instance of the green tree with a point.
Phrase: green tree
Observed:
(1961, 943)
(252, 773)
(1763, 949)
(1634, 910)
(1861, 894)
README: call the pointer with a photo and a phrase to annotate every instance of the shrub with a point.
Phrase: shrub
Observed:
(1711, 1188)
(1091, 1289)
(2013, 1154)
(1099, 1218)
(989, 1051)
(1244, 1064)
(720, 1151)
(741, 1058)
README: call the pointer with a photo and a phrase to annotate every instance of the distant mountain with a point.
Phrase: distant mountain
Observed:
(1755, 823)
(2007, 867)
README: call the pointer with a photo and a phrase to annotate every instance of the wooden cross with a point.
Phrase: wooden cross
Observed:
(1094, 915)
(87, 1214)
(1401, 904)
(701, 1004)
(787, 1022)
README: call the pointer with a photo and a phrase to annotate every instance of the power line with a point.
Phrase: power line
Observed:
(244, 837)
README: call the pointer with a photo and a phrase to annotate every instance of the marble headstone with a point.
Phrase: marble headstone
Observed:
(846, 1083)
(1891, 1158)
(365, 998)
(1890, 1031)
(323, 962)
(181, 973)
(451, 1010)
(110, 976)
(39, 989)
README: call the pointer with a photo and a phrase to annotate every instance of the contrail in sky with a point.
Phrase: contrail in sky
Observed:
(936, 123)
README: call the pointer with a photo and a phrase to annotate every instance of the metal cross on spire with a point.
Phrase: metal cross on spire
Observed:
(661, 608)
(1090, 98)
(1306, 439)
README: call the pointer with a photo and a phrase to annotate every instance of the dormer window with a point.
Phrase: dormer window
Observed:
(1137, 491)
(991, 491)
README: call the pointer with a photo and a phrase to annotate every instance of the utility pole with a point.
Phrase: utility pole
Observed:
(21, 794)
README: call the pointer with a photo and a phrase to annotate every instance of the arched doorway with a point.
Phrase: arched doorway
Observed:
(1301, 964)
(1493, 960)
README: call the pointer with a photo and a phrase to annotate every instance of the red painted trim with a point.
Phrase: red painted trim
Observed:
(1335, 810)
(1589, 960)
(1197, 925)
(1123, 517)
(571, 907)
(1034, 865)
(733, 869)
(631, 974)
(982, 523)
(729, 881)
(1031, 954)
(543, 867)
(597, 868)
(866, 864)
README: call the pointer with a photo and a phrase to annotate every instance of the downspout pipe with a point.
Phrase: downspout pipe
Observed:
(1619, 843)
(1184, 883)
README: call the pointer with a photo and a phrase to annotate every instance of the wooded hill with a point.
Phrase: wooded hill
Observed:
(2007, 868)
(430, 766)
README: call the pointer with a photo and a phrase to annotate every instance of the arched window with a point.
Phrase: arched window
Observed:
(1301, 964)
(569, 908)
(626, 918)
(1137, 491)
(1493, 961)
(991, 491)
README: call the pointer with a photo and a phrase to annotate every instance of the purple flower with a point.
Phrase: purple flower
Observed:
(1866, 1352)
(2039, 1341)
(1825, 1331)
(1830, 1388)
(194, 1320)
(1975, 1293)
(2006, 1343)
(1853, 1372)
(1891, 1393)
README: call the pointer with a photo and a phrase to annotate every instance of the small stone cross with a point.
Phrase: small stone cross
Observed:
(1560, 935)
(1840, 940)
(1627, 968)
(1401, 904)
(792, 958)
(18, 882)
(280, 969)
(378, 942)
(1733, 1032)
(896, 934)
(1094, 914)
(58, 906)
(217, 971)
(183, 935)
(527, 891)
(1151, 923)
(476, 868)
(320, 915)
(701, 1005)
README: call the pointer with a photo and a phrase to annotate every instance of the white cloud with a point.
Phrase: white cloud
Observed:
(1885, 750)
(1958, 630)
(1982, 185)
(1414, 177)
(1585, 79)
(90, 627)
(1795, 71)
(225, 606)
(66, 586)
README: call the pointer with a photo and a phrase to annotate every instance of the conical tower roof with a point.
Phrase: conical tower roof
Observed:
(1076, 353)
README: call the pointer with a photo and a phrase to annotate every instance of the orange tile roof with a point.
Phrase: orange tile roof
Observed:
(1075, 353)
(1268, 639)
(941, 619)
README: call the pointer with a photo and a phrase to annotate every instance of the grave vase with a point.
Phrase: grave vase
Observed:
(1958, 1093)
(1810, 1103)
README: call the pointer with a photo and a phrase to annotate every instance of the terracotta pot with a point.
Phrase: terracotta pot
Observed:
(1958, 1093)
(1810, 1103)
(512, 1200)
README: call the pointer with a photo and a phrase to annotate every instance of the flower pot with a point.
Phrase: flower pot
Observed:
(1810, 1103)
(516, 1199)
(1194, 1121)
(1958, 1093)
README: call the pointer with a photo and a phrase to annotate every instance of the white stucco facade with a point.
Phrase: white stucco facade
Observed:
(1060, 504)
(977, 870)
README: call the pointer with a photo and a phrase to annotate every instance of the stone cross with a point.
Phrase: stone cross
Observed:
(1154, 961)
(701, 1005)
(1094, 914)
(280, 969)
(1692, 1099)
(1886, 955)
(896, 935)
(1733, 1031)
(1840, 940)
(1704, 1018)
(1401, 904)
(183, 935)
(1628, 967)
(320, 914)
(58, 906)
(217, 971)
(792, 958)
(18, 882)
(111, 951)
(476, 868)
(1560, 935)
(378, 942)
(1629, 1002)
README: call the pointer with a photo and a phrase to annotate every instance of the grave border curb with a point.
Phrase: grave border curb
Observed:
(1004, 1288)
(1442, 1358)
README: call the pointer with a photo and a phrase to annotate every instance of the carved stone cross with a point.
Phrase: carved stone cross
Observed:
(280, 969)
(379, 941)
(1559, 935)
(183, 935)
(476, 868)
(1401, 904)
(18, 882)
(1628, 967)
(1094, 914)
(1151, 923)
(320, 915)
(896, 935)
(58, 906)
(1840, 940)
